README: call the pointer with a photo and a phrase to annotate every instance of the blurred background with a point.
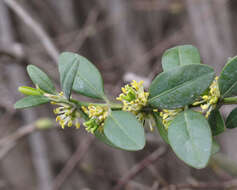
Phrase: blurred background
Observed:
(125, 40)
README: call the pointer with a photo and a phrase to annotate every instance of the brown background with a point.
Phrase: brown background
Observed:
(123, 38)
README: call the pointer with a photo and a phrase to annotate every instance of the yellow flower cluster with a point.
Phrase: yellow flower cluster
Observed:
(67, 114)
(97, 115)
(208, 102)
(168, 116)
(134, 98)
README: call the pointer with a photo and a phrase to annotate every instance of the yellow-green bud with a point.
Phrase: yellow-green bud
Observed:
(44, 123)
(29, 91)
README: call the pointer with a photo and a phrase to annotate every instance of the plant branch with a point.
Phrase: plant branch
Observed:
(140, 166)
(35, 26)
(72, 162)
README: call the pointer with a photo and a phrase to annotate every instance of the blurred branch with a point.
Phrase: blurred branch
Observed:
(140, 166)
(9, 142)
(35, 26)
(72, 162)
(86, 31)
(12, 50)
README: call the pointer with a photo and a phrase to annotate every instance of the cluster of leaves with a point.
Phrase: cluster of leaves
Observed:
(183, 81)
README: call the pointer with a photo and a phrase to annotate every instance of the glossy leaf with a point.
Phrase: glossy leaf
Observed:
(216, 122)
(231, 121)
(30, 101)
(180, 55)
(124, 131)
(163, 132)
(228, 79)
(177, 88)
(88, 80)
(190, 137)
(68, 68)
(40, 79)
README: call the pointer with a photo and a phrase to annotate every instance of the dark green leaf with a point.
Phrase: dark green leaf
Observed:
(68, 68)
(180, 55)
(163, 132)
(190, 137)
(30, 101)
(88, 80)
(124, 131)
(215, 147)
(216, 122)
(228, 79)
(177, 88)
(40, 79)
(231, 121)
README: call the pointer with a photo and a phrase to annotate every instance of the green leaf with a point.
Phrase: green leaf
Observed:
(124, 131)
(180, 55)
(228, 79)
(30, 101)
(163, 132)
(88, 80)
(190, 137)
(101, 136)
(68, 68)
(40, 79)
(215, 147)
(231, 121)
(216, 122)
(180, 87)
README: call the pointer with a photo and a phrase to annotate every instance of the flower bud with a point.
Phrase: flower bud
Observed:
(29, 91)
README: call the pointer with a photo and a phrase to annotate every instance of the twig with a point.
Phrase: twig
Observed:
(12, 50)
(140, 166)
(35, 26)
(72, 162)
(19, 133)
(86, 31)
(10, 141)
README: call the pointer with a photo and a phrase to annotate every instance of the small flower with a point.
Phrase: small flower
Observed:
(67, 114)
(208, 102)
(168, 116)
(134, 98)
(97, 115)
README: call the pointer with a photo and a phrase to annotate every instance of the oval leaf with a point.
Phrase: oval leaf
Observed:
(180, 55)
(103, 138)
(177, 88)
(68, 67)
(30, 101)
(163, 132)
(190, 137)
(216, 122)
(88, 80)
(231, 121)
(228, 79)
(124, 131)
(40, 79)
